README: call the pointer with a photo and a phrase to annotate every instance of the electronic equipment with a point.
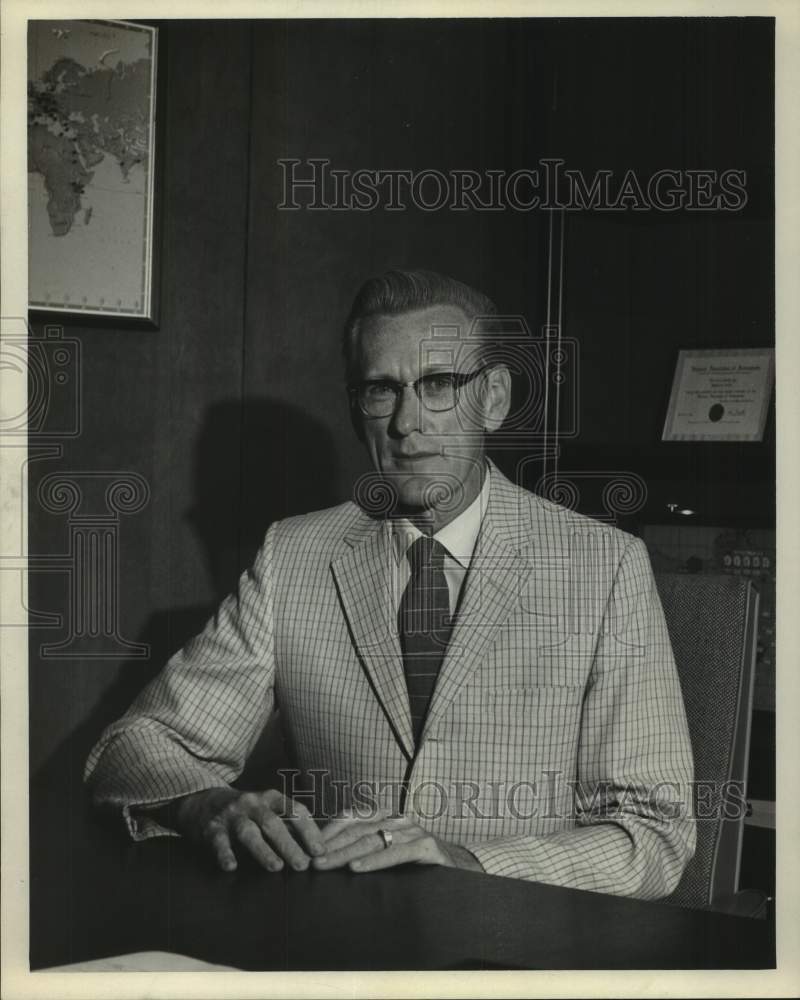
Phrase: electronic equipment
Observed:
(682, 548)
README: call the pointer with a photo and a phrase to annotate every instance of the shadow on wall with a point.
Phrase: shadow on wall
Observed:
(285, 463)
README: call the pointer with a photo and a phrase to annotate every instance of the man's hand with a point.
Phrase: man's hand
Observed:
(260, 822)
(357, 842)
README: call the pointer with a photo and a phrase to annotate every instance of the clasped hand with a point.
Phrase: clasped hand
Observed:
(276, 830)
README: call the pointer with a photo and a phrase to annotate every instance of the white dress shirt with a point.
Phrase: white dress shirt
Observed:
(458, 539)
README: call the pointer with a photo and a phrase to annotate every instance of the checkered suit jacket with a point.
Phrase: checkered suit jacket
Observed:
(555, 748)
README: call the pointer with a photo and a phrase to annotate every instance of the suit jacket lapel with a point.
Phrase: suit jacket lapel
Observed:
(498, 571)
(364, 579)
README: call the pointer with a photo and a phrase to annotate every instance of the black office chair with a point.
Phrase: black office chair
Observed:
(712, 622)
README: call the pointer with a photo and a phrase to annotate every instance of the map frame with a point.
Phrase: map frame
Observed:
(146, 314)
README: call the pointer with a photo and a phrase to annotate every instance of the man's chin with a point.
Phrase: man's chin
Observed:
(419, 493)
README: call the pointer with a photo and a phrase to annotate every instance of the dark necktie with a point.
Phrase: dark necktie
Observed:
(424, 624)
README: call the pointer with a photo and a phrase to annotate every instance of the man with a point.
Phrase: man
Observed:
(489, 671)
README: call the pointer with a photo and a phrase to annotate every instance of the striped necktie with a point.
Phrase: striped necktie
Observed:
(424, 624)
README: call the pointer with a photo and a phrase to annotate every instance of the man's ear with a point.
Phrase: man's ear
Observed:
(497, 399)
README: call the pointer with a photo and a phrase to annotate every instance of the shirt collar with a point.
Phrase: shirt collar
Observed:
(458, 537)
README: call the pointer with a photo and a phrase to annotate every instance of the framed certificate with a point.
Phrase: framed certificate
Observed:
(720, 395)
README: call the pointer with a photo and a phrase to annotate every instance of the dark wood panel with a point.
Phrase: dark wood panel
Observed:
(205, 253)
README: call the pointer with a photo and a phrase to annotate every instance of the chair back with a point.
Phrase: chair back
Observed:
(712, 623)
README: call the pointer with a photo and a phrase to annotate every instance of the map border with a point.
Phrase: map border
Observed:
(149, 311)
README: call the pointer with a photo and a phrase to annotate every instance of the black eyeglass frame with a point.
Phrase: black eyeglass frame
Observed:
(460, 379)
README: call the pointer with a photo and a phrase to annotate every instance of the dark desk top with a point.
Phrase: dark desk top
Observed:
(96, 894)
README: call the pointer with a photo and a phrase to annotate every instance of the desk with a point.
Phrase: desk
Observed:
(94, 894)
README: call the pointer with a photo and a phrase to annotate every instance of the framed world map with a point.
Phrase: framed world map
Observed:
(91, 139)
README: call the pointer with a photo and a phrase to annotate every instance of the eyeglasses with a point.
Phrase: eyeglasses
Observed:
(438, 391)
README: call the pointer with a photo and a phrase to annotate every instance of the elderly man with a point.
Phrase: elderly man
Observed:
(468, 674)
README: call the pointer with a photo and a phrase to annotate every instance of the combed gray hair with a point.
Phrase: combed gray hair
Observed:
(397, 292)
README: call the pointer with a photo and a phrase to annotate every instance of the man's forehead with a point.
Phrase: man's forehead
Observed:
(435, 334)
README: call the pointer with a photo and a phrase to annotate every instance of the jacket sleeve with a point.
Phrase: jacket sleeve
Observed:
(195, 724)
(634, 831)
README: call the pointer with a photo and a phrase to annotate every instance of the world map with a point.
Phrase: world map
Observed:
(90, 100)
(73, 123)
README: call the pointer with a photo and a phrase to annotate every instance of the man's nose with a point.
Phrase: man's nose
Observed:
(406, 417)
